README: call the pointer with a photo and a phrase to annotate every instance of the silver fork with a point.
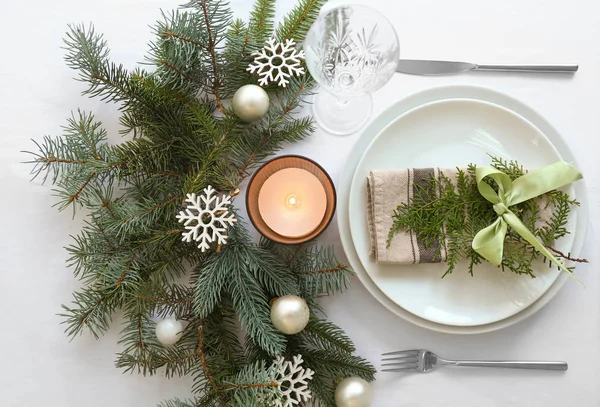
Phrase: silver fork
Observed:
(421, 360)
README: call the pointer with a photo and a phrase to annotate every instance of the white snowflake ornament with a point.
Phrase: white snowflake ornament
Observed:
(277, 62)
(206, 218)
(292, 381)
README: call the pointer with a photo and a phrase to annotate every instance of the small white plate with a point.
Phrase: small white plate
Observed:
(447, 127)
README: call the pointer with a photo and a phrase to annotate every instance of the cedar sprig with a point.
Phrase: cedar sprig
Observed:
(450, 212)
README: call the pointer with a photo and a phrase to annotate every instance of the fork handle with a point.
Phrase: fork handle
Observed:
(512, 364)
(529, 68)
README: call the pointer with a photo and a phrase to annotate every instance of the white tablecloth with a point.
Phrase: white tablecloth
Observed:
(41, 367)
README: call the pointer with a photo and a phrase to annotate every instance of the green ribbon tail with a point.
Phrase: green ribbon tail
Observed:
(522, 230)
(489, 241)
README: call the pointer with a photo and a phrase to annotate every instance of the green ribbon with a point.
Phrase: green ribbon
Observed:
(489, 242)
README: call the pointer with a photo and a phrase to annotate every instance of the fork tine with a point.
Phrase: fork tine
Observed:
(405, 364)
(403, 357)
(413, 352)
(403, 369)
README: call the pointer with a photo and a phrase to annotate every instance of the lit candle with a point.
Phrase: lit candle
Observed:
(292, 202)
(290, 199)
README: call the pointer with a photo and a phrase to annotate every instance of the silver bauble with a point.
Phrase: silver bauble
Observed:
(250, 103)
(353, 392)
(289, 314)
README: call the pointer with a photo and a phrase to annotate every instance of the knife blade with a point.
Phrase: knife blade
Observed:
(421, 67)
(424, 67)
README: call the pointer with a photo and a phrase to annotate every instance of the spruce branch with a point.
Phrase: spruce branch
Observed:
(92, 309)
(261, 22)
(216, 18)
(207, 373)
(129, 254)
(298, 21)
(252, 306)
(179, 403)
(327, 336)
(339, 365)
(175, 52)
(213, 56)
(238, 54)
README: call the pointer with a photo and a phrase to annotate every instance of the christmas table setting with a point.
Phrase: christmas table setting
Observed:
(287, 203)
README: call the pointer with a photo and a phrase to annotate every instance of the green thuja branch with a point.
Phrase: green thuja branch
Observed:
(450, 212)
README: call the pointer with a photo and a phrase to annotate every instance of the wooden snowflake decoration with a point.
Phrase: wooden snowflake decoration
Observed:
(206, 218)
(277, 62)
(292, 381)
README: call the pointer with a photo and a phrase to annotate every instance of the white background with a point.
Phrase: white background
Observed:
(41, 367)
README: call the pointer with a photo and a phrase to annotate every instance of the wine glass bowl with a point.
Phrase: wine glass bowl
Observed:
(351, 51)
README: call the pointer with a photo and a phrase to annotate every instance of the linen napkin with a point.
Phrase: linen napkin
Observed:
(386, 189)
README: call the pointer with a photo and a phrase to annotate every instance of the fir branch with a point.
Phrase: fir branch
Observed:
(252, 307)
(261, 22)
(327, 336)
(213, 56)
(205, 368)
(320, 273)
(211, 279)
(179, 403)
(238, 54)
(338, 365)
(330, 368)
(323, 390)
(92, 309)
(129, 255)
(253, 382)
(80, 161)
(88, 53)
(153, 86)
(164, 300)
(298, 21)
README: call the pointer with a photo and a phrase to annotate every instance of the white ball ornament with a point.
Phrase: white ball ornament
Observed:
(353, 392)
(250, 103)
(168, 331)
(289, 314)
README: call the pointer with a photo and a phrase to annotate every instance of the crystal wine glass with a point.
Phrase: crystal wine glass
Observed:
(351, 51)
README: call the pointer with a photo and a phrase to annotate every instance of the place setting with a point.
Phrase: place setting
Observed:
(460, 208)
(433, 278)
(428, 228)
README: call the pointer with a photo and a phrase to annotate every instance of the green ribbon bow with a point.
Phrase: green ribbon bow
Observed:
(489, 242)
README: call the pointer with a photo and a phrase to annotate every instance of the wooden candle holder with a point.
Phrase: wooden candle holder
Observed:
(278, 164)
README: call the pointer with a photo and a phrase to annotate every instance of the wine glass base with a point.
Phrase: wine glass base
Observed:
(341, 117)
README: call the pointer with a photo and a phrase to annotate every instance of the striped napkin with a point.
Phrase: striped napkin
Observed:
(386, 189)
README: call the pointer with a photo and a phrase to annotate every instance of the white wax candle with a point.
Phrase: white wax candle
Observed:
(292, 202)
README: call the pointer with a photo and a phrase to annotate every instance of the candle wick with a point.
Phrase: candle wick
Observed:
(292, 201)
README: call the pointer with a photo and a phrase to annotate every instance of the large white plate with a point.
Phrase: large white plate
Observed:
(452, 132)
(449, 133)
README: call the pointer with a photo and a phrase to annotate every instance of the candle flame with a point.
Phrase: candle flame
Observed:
(292, 201)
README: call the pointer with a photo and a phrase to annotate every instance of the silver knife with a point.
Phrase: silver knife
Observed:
(421, 67)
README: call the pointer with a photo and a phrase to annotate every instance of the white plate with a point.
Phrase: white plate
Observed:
(446, 134)
(452, 132)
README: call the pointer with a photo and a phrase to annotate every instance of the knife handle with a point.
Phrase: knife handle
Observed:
(529, 68)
